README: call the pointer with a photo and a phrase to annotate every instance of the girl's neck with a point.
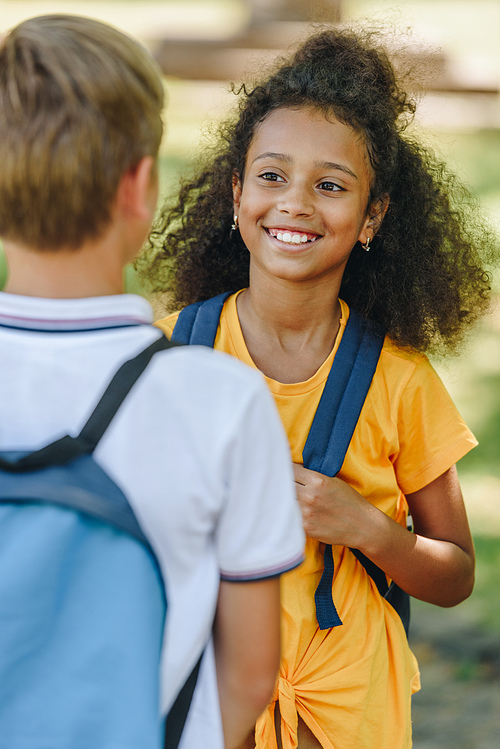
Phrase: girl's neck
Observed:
(289, 329)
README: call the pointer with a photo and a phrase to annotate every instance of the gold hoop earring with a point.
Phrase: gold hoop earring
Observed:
(235, 223)
(366, 245)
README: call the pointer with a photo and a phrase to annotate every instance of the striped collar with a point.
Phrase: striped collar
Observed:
(73, 315)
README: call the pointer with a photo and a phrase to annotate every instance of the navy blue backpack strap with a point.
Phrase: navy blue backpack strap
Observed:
(331, 431)
(398, 598)
(334, 423)
(197, 323)
(343, 396)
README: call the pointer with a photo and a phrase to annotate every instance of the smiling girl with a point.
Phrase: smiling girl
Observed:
(334, 208)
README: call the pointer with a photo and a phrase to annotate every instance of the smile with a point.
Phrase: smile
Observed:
(292, 237)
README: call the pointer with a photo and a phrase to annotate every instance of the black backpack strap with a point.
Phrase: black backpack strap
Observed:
(67, 448)
(334, 423)
(197, 323)
(177, 716)
(101, 417)
(117, 390)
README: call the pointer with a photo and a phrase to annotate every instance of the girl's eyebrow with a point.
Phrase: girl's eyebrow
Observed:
(318, 164)
(336, 167)
(272, 155)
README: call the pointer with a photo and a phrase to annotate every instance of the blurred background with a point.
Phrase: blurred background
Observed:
(454, 47)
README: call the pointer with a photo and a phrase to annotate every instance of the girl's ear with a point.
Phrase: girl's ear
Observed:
(377, 211)
(236, 192)
(374, 218)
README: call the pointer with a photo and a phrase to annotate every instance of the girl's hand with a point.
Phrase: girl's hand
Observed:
(332, 511)
(435, 563)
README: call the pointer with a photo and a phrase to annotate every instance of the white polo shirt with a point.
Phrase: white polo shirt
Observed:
(197, 447)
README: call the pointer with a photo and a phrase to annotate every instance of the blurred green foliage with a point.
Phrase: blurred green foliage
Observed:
(485, 593)
(486, 425)
(479, 152)
(3, 267)
(475, 157)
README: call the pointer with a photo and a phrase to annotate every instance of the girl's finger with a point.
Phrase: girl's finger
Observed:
(300, 474)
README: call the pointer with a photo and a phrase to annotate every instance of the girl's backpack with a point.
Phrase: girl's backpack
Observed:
(332, 428)
(82, 599)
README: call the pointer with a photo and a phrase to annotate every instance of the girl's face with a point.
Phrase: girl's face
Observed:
(303, 203)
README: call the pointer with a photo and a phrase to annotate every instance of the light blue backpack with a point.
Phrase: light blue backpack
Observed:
(82, 600)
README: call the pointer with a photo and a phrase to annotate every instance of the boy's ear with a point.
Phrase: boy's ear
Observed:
(236, 192)
(137, 193)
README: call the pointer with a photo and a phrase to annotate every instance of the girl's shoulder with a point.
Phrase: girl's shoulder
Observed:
(167, 324)
(402, 368)
(393, 356)
(403, 356)
(406, 376)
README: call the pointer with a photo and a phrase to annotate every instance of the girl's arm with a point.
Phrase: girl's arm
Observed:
(435, 563)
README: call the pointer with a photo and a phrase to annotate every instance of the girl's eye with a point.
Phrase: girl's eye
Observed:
(271, 177)
(329, 186)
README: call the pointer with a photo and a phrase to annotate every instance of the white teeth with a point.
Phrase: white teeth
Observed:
(289, 238)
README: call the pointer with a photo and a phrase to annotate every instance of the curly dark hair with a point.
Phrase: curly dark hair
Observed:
(424, 280)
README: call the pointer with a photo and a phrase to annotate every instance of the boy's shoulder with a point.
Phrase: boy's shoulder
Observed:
(220, 362)
(213, 371)
(210, 370)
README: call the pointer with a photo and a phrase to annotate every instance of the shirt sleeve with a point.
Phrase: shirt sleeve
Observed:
(433, 435)
(259, 534)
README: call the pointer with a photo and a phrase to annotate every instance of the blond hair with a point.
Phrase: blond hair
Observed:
(80, 104)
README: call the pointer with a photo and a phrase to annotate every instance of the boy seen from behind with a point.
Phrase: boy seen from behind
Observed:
(197, 447)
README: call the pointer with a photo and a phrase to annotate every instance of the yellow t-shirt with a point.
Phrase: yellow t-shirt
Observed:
(352, 684)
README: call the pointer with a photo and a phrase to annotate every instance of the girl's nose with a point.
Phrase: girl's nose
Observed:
(296, 200)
